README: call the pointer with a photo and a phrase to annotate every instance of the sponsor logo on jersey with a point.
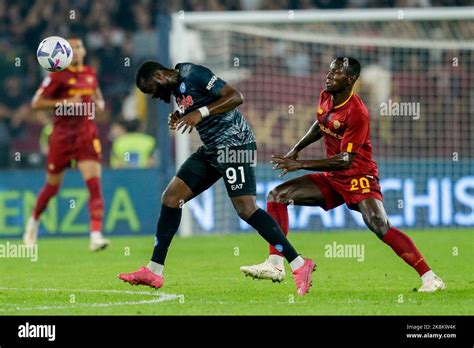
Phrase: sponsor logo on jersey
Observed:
(328, 131)
(184, 103)
(320, 111)
(182, 87)
(211, 82)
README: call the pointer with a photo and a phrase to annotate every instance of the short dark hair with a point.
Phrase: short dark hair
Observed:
(147, 70)
(351, 65)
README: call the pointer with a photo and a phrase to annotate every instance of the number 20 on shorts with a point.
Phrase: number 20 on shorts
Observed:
(362, 183)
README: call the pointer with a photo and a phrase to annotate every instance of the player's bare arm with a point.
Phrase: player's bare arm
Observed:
(230, 99)
(99, 100)
(312, 135)
(39, 102)
(340, 161)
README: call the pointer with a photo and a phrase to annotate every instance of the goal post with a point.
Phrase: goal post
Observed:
(417, 81)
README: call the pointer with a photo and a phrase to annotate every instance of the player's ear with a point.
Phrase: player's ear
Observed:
(352, 79)
(158, 76)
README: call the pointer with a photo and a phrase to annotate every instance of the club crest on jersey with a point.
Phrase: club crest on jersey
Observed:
(336, 124)
(182, 87)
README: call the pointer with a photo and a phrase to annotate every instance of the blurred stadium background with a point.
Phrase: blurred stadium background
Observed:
(277, 53)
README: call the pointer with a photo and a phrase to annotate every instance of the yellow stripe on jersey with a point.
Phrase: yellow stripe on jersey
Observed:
(349, 147)
(344, 102)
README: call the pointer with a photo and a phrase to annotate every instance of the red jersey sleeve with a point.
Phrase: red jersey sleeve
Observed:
(356, 132)
(50, 86)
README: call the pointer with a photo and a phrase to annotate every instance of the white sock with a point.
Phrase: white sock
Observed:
(276, 260)
(296, 263)
(155, 267)
(428, 276)
(95, 235)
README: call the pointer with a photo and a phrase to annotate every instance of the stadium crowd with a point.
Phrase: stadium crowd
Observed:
(111, 29)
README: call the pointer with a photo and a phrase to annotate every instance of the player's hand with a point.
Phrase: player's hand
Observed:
(293, 154)
(189, 121)
(285, 164)
(173, 119)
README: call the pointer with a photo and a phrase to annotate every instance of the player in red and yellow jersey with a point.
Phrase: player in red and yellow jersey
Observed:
(349, 175)
(74, 97)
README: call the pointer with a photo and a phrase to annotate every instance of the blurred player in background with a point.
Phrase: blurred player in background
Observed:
(349, 175)
(131, 148)
(209, 104)
(74, 138)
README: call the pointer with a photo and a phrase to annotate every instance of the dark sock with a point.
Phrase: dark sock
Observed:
(268, 228)
(168, 225)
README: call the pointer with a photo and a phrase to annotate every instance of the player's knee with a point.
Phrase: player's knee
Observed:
(245, 211)
(278, 195)
(377, 224)
(171, 199)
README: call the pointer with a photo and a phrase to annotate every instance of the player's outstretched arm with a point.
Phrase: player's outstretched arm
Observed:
(39, 102)
(311, 136)
(340, 161)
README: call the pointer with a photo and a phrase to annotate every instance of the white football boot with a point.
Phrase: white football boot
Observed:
(431, 283)
(31, 231)
(98, 242)
(265, 270)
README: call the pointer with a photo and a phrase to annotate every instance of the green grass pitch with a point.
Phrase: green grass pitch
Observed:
(202, 277)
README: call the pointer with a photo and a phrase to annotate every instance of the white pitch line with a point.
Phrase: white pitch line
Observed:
(161, 297)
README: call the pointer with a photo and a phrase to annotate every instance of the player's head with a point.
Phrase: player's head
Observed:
(79, 51)
(154, 79)
(343, 73)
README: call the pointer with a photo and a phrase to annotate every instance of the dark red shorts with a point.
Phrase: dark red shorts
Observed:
(350, 190)
(65, 147)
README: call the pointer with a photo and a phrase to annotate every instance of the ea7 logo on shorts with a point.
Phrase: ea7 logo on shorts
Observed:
(37, 331)
(211, 82)
(236, 187)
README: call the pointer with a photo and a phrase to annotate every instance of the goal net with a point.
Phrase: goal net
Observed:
(417, 82)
